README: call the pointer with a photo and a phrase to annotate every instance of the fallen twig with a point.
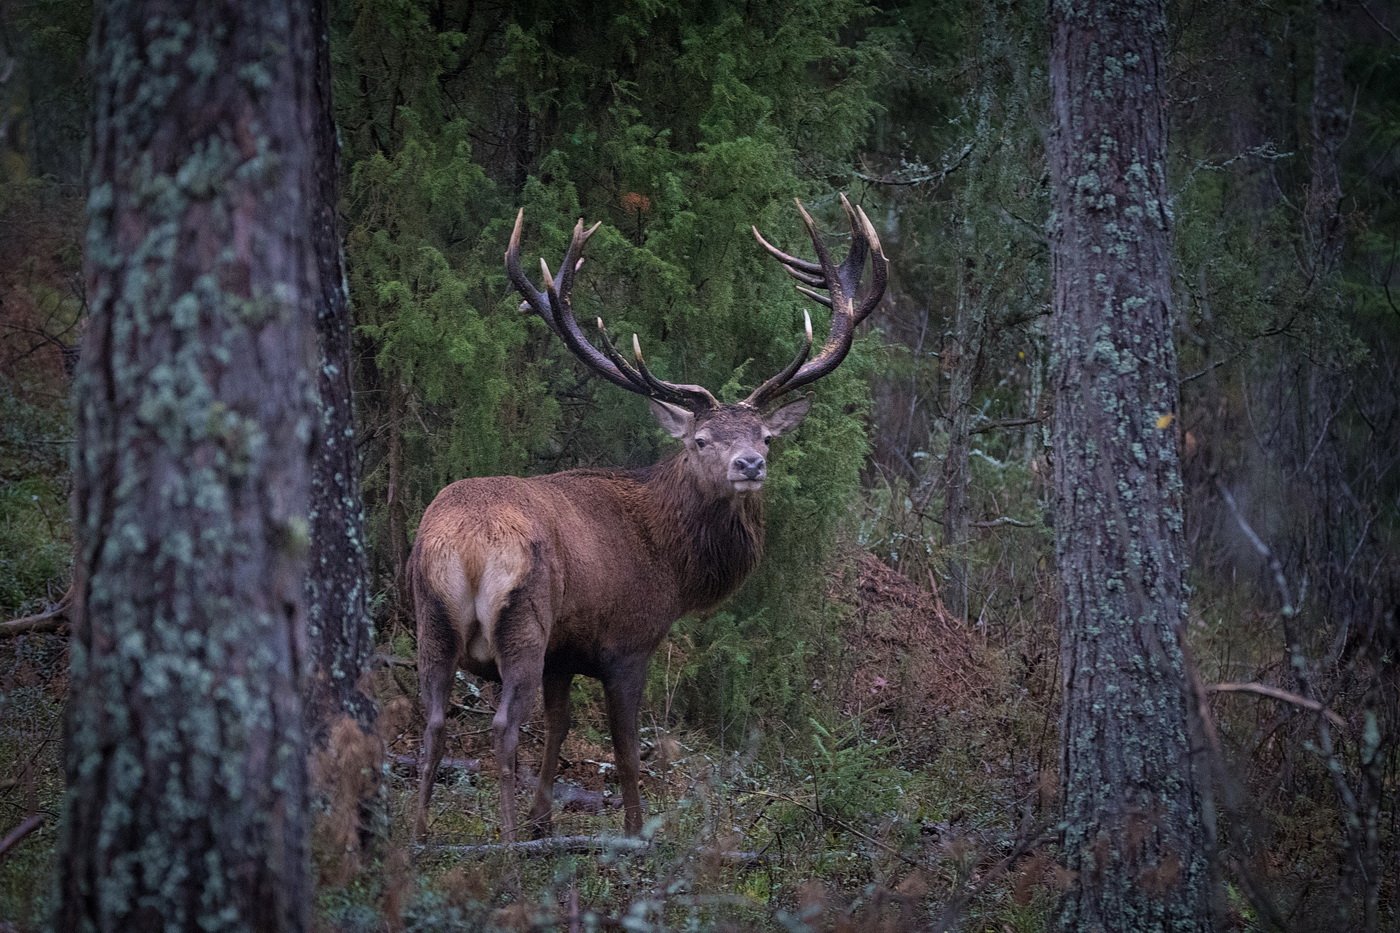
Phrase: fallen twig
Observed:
(15, 836)
(1003, 520)
(1003, 424)
(551, 846)
(50, 620)
(469, 765)
(558, 845)
(1028, 841)
(840, 824)
(1281, 695)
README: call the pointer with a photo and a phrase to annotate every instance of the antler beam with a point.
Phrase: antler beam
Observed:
(841, 284)
(554, 306)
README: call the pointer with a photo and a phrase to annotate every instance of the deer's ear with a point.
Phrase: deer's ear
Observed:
(673, 419)
(789, 416)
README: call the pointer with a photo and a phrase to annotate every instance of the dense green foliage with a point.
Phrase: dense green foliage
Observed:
(679, 127)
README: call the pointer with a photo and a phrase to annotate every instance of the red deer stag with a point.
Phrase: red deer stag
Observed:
(531, 581)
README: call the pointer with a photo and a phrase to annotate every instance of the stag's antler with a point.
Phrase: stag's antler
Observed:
(554, 307)
(841, 284)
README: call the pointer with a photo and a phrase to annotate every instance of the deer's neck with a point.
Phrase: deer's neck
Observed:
(712, 539)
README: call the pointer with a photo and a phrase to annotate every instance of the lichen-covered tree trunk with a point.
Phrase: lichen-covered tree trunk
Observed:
(185, 761)
(1134, 840)
(340, 714)
(338, 624)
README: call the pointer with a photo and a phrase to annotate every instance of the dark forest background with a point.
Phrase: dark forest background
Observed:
(876, 710)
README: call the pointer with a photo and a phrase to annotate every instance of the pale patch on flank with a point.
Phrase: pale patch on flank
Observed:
(503, 572)
(448, 578)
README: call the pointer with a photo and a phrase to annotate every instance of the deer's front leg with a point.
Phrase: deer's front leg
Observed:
(624, 695)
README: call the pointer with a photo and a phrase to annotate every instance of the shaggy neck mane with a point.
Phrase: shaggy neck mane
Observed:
(713, 539)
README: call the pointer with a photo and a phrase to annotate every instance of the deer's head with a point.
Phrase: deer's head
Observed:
(726, 446)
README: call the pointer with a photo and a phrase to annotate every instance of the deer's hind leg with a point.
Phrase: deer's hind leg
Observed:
(521, 635)
(439, 649)
(556, 712)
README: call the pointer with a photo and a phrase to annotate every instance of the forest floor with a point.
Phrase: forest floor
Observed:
(897, 816)
(922, 805)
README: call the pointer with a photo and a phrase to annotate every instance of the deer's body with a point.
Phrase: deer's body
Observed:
(581, 572)
(531, 581)
(610, 559)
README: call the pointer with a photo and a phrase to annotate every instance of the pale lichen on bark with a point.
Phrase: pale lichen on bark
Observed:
(1134, 837)
(194, 402)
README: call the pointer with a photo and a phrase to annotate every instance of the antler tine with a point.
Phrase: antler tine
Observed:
(806, 278)
(533, 298)
(841, 285)
(760, 395)
(789, 262)
(573, 256)
(553, 305)
(644, 381)
(823, 257)
(815, 296)
(854, 266)
(617, 358)
(879, 267)
(681, 394)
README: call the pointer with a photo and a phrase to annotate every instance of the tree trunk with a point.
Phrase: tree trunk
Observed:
(1331, 523)
(339, 628)
(1337, 528)
(340, 714)
(1134, 838)
(398, 511)
(185, 758)
(961, 361)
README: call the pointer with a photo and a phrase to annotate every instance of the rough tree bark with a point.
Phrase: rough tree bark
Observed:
(185, 759)
(340, 632)
(1134, 837)
(347, 769)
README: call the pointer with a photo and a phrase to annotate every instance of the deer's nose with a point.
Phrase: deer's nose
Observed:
(751, 466)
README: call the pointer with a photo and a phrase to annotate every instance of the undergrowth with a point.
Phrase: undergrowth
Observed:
(735, 845)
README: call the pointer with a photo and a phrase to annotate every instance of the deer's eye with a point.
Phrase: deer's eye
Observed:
(700, 443)
(767, 439)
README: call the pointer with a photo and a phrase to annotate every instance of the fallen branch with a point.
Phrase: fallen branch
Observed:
(551, 846)
(930, 178)
(1003, 520)
(1281, 695)
(15, 836)
(1028, 841)
(1004, 423)
(50, 620)
(560, 845)
(841, 825)
(410, 762)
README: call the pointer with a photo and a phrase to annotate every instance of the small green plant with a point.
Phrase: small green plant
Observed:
(852, 778)
(35, 549)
